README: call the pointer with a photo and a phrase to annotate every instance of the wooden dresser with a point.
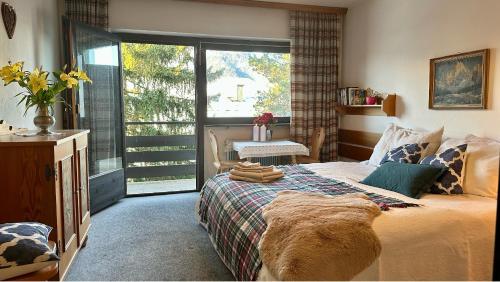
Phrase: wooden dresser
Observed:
(45, 179)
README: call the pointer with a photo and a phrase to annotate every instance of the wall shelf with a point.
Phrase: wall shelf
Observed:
(387, 108)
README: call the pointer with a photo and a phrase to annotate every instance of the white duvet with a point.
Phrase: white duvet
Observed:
(447, 238)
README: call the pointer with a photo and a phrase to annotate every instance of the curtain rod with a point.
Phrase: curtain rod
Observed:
(276, 5)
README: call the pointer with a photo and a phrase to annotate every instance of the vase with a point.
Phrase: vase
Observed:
(371, 100)
(269, 135)
(43, 120)
(262, 133)
(255, 133)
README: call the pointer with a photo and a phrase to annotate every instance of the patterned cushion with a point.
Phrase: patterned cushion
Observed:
(408, 153)
(451, 181)
(24, 243)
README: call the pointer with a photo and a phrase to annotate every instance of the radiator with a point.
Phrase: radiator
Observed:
(279, 160)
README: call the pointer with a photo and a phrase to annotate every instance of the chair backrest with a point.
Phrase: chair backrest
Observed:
(318, 138)
(213, 143)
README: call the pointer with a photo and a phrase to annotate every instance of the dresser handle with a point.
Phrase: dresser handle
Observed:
(49, 172)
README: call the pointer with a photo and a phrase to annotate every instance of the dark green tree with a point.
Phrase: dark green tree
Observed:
(160, 86)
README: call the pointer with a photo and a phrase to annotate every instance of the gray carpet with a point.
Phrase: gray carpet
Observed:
(149, 238)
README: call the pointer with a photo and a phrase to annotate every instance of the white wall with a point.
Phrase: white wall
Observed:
(198, 18)
(36, 42)
(388, 44)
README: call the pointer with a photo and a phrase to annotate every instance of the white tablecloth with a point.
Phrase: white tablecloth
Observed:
(250, 149)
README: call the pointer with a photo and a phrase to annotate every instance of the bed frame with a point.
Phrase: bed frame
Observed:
(356, 145)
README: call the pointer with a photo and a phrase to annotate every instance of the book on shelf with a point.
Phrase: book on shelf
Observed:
(354, 96)
(350, 96)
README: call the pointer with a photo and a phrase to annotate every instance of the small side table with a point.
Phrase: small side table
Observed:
(252, 149)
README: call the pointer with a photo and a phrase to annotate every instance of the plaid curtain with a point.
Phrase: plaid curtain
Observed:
(91, 12)
(315, 51)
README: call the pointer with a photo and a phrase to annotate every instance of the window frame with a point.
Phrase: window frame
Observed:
(201, 45)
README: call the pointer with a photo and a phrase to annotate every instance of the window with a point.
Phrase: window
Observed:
(247, 83)
(235, 79)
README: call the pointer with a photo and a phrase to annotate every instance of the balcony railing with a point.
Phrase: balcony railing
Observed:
(165, 150)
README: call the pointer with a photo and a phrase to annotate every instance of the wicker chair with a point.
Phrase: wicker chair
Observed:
(220, 165)
(318, 138)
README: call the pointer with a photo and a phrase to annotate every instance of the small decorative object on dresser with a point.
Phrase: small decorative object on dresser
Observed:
(6, 129)
(45, 179)
(40, 92)
(459, 81)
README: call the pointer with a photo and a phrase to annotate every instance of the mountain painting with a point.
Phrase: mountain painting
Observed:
(459, 81)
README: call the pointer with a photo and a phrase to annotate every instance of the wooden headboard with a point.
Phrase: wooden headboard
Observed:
(356, 145)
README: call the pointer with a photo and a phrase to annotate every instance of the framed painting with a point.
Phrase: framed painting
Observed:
(459, 81)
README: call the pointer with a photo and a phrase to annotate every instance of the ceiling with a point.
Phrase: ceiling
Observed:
(327, 3)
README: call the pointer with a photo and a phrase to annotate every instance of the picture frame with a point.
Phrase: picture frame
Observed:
(459, 81)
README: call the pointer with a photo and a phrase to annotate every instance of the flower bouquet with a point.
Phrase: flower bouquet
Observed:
(266, 122)
(39, 91)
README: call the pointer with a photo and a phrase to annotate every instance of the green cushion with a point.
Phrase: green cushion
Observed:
(408, 179)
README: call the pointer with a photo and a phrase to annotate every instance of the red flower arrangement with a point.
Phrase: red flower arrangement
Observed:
(265, 119)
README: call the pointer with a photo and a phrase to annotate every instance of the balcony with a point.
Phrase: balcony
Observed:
(161, 157)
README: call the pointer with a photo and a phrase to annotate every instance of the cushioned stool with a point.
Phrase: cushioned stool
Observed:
(45, 274)
(26, 253)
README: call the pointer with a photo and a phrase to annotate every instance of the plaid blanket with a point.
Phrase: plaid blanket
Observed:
(231, 212)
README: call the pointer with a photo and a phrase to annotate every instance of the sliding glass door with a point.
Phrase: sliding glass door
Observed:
(98, 107)
(160, 117)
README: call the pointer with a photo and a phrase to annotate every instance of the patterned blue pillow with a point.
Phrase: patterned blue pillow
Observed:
(408, 153)
(450, 182)
(24, 243)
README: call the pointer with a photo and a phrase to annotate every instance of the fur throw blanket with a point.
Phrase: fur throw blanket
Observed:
(319, 237)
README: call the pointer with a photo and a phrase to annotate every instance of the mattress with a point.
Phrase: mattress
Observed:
(450, 237)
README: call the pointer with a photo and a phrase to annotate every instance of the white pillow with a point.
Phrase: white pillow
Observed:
(481, 170)
(395, 136)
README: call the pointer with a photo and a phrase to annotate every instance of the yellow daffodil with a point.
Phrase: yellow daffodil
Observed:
(11, 73)
(70, 80)
(37, 81)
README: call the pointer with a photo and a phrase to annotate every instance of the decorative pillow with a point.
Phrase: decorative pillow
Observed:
(408, 153)
(25, 243)
(408, 179)
(395, 136)
(481, 167)
(453, 159)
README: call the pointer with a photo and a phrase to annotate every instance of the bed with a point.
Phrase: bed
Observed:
(437, 237)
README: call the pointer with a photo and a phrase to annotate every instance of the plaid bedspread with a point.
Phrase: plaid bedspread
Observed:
(231, 212)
